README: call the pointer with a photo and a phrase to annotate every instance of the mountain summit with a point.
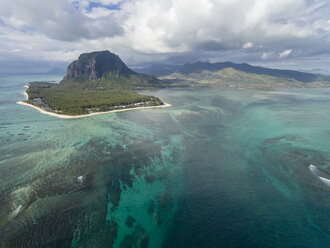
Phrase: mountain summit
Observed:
(97, 65)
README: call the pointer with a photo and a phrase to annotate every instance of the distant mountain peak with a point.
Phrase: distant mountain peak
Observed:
(96, 65)
(201, 66)
(56, 71)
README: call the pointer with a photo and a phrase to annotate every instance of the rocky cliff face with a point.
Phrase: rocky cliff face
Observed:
(97, 65)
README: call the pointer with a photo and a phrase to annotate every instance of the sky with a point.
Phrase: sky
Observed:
(37, 35)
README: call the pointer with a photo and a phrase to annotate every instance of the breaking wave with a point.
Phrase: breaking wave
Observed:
(315, 172)
(325, 180)
(16, 211)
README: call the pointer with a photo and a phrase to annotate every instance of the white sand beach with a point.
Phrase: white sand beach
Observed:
(86, 115)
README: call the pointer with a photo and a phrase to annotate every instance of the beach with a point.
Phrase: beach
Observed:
(87, 115)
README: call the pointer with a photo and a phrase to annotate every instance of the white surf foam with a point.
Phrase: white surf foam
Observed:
(325, 180)
(16, 211)
(315, 170)
(80, 179)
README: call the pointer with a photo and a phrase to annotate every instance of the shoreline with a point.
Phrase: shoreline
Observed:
(85, 115)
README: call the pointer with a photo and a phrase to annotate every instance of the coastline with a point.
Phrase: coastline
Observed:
(86, 115)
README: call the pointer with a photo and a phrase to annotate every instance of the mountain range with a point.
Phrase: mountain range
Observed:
(199, 67)
(228, 74)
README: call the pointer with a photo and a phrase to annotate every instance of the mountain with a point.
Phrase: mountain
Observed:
(159, 69)
(244, 76)
(96, 65)
(56, 71)
(290, 74)
(104, 69)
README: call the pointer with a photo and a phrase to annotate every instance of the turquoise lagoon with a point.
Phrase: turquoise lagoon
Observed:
(220, 168)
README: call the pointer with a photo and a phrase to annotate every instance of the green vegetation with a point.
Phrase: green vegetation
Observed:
(233, 78)
(73, 98)
(115, 81)
(256, 70)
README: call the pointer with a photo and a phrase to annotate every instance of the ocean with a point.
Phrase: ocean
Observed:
(219, 168)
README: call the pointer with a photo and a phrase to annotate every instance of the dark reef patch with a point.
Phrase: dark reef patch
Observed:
(138, 236)
(130, 221)
(59, 204)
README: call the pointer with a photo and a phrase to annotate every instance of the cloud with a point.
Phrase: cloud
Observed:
(99, 12)
(109, 2)
(58, 20)
(285, 53)
(248, 45)
(265, 56)
(16, 50)
(145, 31)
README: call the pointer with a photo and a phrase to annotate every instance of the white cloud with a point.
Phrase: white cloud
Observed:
(147, 30)
(16, 50)
(285, 53)
(99, 12)
(108, 2)
(248, 45)
(57, 19)
(14, 22)
(265, 55)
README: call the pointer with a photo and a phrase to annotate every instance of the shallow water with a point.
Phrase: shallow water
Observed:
(220, 168)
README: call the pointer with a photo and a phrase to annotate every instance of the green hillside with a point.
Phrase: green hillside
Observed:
(233, 78)
(304, 77)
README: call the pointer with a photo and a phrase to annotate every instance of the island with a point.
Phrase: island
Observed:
(96, 83)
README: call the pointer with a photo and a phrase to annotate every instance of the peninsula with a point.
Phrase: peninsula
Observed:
(96, 83)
